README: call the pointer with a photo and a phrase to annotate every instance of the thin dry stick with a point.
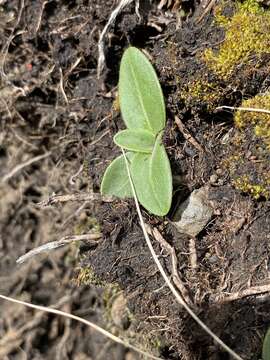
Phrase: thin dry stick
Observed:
(61, 86)
(255, 290)
(56, 244)
(208, 8)
(40, 16)
(86, 322)
(101, 56)
(11, 37)
(56, 199)
(175, 276)
(29, 162)
(193, 253)
(187, 134)
(165, 277)
(243, 109)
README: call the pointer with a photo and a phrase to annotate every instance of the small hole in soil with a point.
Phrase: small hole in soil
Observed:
(50, 8)
(32, 193)
(42, 44)
(3, 152)
(141, 34)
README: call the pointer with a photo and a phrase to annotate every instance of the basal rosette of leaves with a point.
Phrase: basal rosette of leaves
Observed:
(143, 111)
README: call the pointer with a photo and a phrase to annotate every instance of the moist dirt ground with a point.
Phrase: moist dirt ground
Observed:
(57, 122)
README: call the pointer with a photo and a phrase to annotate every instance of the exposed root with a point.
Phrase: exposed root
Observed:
(175, 276)
(252, 291)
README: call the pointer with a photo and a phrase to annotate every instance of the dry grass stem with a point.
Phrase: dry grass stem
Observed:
(243, 109)
(83, 321)
(101, 55)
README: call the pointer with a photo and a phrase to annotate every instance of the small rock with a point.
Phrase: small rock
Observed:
(213, 179)
(194, 213)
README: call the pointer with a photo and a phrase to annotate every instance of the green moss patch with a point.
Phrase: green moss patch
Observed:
(247, 35)
(258, 120)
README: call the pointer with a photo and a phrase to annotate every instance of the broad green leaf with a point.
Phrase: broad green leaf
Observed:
(140, 95)
(266, 346)
(135, 140)
(161, 175)
(155, 194)
(115, 179)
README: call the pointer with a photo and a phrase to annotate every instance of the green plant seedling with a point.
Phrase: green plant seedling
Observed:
(115, 179)
(140, 95)
(143, 110)
(135, 140)
(266, 346)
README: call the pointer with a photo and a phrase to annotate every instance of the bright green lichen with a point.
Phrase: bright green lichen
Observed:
(258, 120)
(247, 34)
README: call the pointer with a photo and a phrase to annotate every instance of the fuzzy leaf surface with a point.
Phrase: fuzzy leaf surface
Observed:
(115, 180)
(161, 175)
(152, 178)
(135, 140)
(140, 94)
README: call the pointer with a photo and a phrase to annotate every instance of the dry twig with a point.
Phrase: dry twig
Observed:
(170, 249)
(56, 199)
(56, 244)
(187, 134)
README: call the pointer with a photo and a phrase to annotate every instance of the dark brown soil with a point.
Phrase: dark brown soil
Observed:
(52, 104)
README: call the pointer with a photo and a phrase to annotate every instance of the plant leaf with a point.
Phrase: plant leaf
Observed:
(135, 140)
(115, 179)
(141, 99)
(266, 346)
(161, 175)
(153, 181)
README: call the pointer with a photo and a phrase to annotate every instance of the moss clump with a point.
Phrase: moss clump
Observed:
(202, 91)
(85, 224)
(247, 34)
(258, 120)
(87, 276)
(257, 191)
